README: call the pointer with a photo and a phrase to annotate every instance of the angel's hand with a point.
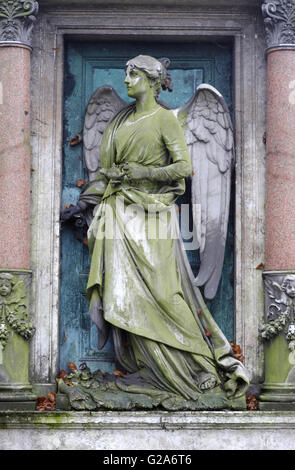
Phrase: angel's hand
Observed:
(136, 173)
(114, 173)
(69, 213)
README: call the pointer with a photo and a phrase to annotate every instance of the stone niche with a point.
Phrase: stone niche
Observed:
(126, 20)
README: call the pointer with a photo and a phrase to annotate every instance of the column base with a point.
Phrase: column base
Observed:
(21, 398)
(277, 397)
(276, 406)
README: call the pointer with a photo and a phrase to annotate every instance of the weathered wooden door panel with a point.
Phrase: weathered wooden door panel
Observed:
(88, 66)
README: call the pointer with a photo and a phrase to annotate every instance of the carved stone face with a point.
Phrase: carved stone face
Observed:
(137, 82)
(5, 287)
(289, 287)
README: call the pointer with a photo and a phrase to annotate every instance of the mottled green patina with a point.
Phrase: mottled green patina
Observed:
(278, 334)
(141, 284)
(87, 68)
(16, 330)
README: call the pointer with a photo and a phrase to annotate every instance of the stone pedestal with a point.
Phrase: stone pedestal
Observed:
(278, 333)
(15, 332)
(16, 23)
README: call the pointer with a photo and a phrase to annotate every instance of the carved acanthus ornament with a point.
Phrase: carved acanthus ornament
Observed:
(17, 19)
(13, 308)
(279, 22)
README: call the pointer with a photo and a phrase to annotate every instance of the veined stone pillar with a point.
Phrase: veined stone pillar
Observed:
(16, 22)
(278, 332)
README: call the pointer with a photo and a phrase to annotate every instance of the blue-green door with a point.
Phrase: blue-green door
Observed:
(89, 66)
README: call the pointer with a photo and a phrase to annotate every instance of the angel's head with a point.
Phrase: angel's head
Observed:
(288, 285)
(6, 284)
(145, 70)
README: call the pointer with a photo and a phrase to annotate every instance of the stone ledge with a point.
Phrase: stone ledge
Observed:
(206, 3)
(221, 430)
(146, 419)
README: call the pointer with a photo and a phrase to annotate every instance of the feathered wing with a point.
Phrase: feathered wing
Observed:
(209, 134)
(103, 105)
(275, 291)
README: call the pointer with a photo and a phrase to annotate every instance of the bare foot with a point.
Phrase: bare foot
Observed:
(230, 387)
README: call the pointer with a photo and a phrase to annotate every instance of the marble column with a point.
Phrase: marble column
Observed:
(16, 23)
(278, 332)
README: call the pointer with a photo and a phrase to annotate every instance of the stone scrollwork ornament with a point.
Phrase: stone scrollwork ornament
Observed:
(17, 19)
(279, 22)
(13, 308)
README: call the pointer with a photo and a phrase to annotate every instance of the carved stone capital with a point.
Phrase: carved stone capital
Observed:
(279, 22)
(17, 19)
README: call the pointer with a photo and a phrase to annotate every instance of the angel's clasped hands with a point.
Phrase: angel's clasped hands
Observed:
(127, 172)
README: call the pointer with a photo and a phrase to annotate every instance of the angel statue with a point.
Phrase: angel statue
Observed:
(141, 288)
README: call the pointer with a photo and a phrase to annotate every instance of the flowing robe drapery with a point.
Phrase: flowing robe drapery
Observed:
(140, 282)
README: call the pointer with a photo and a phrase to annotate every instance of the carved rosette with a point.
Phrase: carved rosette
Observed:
(14, 315)
(17, 19)
(279, 22)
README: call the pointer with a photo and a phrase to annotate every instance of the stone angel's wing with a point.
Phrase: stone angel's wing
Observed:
(275, 291)
(209, 134)
(103, 105)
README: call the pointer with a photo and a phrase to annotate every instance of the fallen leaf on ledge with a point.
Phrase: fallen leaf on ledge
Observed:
(46, 403)
(62, 374)
(119, 373)
(252, 402)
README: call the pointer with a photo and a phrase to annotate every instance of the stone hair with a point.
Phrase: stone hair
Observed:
(285, 282)
(155, 70)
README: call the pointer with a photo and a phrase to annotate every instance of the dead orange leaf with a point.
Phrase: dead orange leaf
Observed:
(238, 354)
(46, 403)
(69, 384)
(76, 140)
(62, 374)
(119, 373)
(252, 402)
(52, 397)
(72, 366)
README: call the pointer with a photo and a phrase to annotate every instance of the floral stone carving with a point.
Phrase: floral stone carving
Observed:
(17, 19)
(280, 310)
(13, 308)
(279, 22)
